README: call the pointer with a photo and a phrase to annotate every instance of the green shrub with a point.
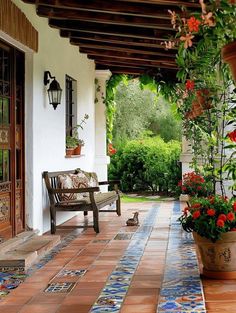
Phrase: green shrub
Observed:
(146, 164)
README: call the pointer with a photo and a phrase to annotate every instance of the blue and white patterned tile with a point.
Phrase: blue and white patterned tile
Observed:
(181, 289)
(119, 281)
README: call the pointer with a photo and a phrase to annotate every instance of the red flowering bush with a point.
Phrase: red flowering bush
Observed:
(111, 149)
(194, 185)
(209, 217)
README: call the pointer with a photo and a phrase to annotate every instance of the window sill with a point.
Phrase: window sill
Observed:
(74, 156)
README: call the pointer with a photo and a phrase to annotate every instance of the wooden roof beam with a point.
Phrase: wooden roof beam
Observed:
(103, 18)
(116, 40)
(135, 8)
(124, 31)
(187, 3)
(126, 55)
(123, 63)
(107, 47)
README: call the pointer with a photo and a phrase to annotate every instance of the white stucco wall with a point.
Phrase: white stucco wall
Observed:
(45, 127)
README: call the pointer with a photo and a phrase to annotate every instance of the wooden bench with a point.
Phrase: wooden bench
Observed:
(93, 200)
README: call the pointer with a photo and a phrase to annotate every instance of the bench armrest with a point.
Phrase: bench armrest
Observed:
(73, 190)
(110, 182)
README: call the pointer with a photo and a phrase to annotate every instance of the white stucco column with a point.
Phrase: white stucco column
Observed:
(186, 156)
(101, 158)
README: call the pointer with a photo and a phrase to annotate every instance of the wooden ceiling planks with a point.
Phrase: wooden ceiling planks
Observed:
(122, 35)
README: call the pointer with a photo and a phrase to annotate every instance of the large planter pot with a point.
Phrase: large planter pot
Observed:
(229, 56)
(218, 258)
(184, 197)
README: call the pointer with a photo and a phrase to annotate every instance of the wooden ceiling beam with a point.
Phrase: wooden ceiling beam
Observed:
(103, 18)
(126, 55)
(94, 31)
(124, 31)
(116, 40)
(157, 10)
(107, 47)
(124, 63)
(186, 3)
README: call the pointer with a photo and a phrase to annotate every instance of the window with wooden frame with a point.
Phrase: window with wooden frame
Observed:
(71, 104)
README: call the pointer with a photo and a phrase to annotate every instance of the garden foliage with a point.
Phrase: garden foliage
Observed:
(147, 164)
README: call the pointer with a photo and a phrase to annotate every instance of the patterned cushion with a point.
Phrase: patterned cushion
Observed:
(91, 176)
(78, 180)
(65, 182)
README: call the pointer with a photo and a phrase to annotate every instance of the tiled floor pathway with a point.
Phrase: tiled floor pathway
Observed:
(94, 260)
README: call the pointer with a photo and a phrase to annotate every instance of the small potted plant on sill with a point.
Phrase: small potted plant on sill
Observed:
(213, 223)
(79, 142)
(71, 143)
(79, 145)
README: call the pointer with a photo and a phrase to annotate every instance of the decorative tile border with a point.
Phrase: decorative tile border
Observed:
(61, 287)
(123, 236)
(71, 273)
(181, 290)
(118, 283)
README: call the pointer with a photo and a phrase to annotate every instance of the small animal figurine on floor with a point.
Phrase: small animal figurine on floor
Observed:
(133, 221)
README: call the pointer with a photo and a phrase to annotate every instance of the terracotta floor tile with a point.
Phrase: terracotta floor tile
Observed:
(48, 298)
(139, 308)
(39, 308)
(88, 299)
(90, 285)
(221, 307)
(84, 292)
(74, 309)
(10, 308)
(16, 299)
(145, 284)
(157, 278)
(141, 299)
(143, 291)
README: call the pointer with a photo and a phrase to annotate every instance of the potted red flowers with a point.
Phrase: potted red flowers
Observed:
(193, 184)
(213, 223)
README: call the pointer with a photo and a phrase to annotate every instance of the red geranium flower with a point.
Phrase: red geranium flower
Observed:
(211, 212)
(193, 24)
(234, 206)
(196, 214)
(222, 217)
(233, 229)
(189, 84)
(230, 216)
(232, 135)
(220, 223)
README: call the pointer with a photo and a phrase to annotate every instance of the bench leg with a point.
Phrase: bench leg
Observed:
(85, 213)
(96, 220)
(53, 220)
(118, 210)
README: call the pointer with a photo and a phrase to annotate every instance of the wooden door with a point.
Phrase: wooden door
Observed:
(12, 214)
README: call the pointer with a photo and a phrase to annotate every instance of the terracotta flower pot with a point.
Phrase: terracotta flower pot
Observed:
(229, 56)
(77, 150)
(218, 258)
(69, 151)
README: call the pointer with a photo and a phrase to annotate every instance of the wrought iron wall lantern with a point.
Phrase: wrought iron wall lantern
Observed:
(54, 90)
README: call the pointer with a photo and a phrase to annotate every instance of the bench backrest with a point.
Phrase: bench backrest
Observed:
(52, 182)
